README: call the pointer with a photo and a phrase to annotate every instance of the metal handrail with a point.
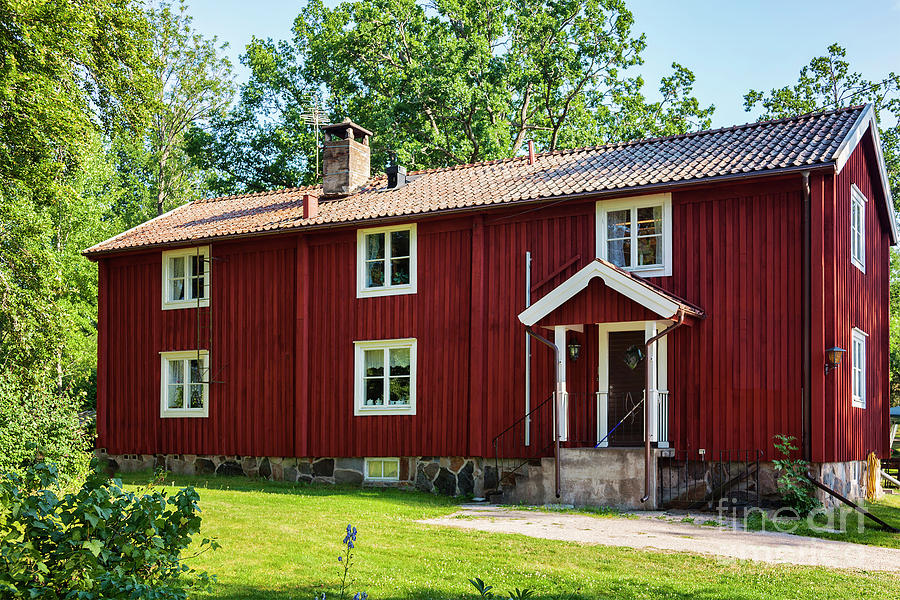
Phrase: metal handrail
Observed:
(519, 420)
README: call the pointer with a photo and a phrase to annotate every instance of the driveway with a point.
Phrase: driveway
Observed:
(650, 532)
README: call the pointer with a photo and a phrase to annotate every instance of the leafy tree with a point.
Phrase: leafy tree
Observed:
(443, 82)
(194, 84)
(828, 82)
(68, 71)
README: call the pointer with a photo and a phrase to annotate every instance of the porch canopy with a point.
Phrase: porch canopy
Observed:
(625, 309)
(643, 300)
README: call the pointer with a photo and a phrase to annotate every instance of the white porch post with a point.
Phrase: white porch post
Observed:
(662, 392)
(562, 398)
(603, 387)
(650, 394)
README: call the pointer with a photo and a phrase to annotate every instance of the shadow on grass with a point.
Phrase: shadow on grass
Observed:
(246, 484)
(621, 591)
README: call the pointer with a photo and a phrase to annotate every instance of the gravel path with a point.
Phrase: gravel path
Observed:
(664, 534)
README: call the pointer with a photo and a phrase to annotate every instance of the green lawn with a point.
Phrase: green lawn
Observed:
(281, 541)
(887, 509)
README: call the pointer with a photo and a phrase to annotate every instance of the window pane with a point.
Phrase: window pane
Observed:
(374, 246)
(376, 469)
(196, 396)
(176, 396)
(649, 220)
(196, 370)
(176, 267)
(389, 469)
(399, 271)
(177, 289)
(399, 361)
(374, 363)
(649, 251)
(176, 371)
(375, 392)
(618, 224)
(618, 252)
(375, 274)
(399, 243)
(399, 391)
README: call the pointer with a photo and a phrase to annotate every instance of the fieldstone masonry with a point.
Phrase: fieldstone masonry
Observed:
(583, 482)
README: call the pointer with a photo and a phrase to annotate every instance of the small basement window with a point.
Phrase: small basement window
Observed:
(385, 372)
(636, 234)
(383, 469)
(858, 367)
(184, 384)
(386, 261)
(857, 228)
(185, 275)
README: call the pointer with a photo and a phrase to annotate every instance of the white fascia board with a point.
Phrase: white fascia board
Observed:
(619, 282)
(864, 123)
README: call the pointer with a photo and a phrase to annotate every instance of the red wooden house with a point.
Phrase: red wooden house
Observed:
(406, 327)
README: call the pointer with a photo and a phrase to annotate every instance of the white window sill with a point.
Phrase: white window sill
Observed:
(393, 290)
(859, 265)
(362, 411)
(856, 404)
(184, 414)
(665, 271)
(203, 303)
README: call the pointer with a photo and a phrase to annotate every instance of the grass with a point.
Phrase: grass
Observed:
(847, 523)
(281, 541)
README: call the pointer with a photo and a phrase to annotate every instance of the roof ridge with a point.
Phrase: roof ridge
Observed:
(648, 140)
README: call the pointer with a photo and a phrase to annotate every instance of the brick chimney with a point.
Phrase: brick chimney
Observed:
(345, 164)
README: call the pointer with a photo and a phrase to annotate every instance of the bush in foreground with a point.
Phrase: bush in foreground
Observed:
(98, 542)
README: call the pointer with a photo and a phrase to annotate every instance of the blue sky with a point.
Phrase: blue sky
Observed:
(730, 46)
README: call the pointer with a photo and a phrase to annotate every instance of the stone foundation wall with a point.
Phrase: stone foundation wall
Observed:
(452, 476)
(846, 478)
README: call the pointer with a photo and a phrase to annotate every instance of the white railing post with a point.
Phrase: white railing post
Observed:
(662, 419)
(602, 418)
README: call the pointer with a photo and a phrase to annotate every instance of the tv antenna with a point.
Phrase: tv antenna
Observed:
(314, 115)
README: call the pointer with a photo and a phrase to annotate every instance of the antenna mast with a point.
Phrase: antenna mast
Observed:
(314, 115)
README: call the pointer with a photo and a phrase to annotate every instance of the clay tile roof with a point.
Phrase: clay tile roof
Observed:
(799, 142)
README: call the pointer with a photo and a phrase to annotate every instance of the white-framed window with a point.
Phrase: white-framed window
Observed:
(386, 261)
(858, 203)
(185, 278)
(858, 367)
(382, 469)
(184, 384)
(636, 234)
(385, 377)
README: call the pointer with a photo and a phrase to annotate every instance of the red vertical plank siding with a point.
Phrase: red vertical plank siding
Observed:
(301, 350)
(859, 300)
(819, 291)
(102, 354)
(477, 388)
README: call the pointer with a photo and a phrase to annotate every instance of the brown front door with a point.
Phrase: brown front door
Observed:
(626, 389)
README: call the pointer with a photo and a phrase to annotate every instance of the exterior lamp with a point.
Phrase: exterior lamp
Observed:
(833, 358)
(574, 349)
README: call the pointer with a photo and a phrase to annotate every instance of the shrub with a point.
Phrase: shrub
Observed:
(795, 490)
(98, 542)
(35, 422)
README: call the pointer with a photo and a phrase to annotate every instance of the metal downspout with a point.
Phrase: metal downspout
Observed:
(555, 348)
(806, 359)
(647, 377)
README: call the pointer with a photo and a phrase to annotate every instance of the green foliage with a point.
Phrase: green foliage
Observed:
(828, 82)
(34, 421)
(795, 490)
(442, 83)
(484, 591)
(97, 542)
(195, 85)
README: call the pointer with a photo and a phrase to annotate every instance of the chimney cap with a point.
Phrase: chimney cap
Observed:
(339, 129)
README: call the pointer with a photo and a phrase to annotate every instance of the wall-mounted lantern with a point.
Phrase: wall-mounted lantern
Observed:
(833, 357)
(574, 349)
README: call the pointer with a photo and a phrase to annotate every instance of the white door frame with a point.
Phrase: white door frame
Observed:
(657, 353)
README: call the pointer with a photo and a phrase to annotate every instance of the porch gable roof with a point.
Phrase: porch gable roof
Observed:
(650, 296)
